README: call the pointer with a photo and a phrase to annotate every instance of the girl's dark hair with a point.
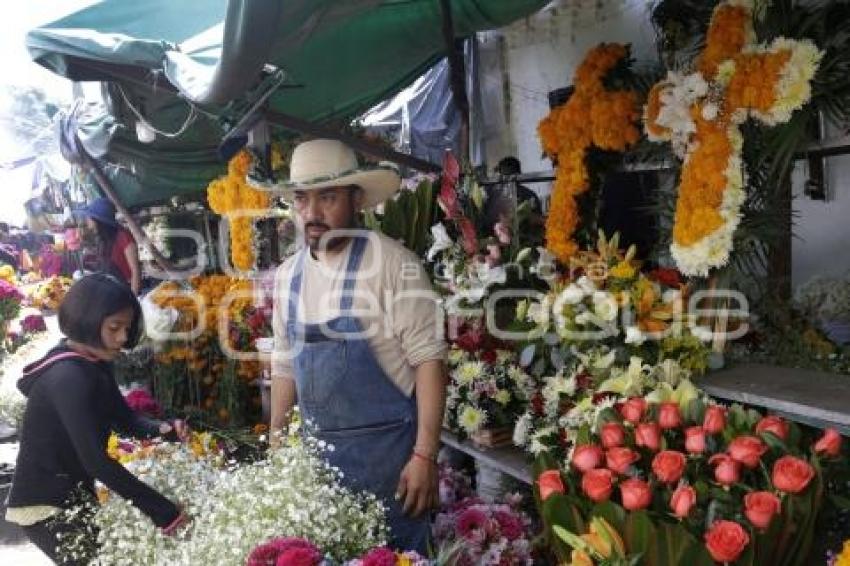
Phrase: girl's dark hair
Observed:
(89, 301)
(106, 234)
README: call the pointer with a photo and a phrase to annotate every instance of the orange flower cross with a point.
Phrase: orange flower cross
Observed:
(701, 114)
(593, 116)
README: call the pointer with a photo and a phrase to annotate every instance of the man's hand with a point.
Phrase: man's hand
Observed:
(417, 486)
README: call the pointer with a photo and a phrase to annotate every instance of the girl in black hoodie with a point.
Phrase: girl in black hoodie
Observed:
(73, 404)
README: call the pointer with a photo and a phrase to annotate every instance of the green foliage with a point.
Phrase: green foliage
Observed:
(408, 217)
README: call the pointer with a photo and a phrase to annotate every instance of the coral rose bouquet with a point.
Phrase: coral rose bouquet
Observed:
(704, 483)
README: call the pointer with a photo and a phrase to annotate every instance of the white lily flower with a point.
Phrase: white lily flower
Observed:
(442, 241)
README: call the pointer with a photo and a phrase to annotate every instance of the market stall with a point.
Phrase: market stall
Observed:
(582, 367)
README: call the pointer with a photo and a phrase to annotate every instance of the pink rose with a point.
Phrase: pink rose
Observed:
(597, 484)
(619, 459)
(549, 483)
(669, 465)
(648, 435)
(636, 494)
(682, 500)
(760, 507)
(632, 410)
(669, 416)
(727, 470)
(612, 435)
(829, 443)
(773, 424)
(791, 474)
(726, 540)
(747, 450)
(695, 440)
(715, 420)
(587, 456)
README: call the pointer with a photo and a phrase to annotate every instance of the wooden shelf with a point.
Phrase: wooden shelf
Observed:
(508, 460)
(805, 396)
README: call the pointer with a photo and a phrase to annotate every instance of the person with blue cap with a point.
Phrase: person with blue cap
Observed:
(117, 252)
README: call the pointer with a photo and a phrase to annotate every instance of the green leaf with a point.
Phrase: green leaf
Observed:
(611, 512)
(697, 555)
(558, 510)
(640, 536)
(673, 542)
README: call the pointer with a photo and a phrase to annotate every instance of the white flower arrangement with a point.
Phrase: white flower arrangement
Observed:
(491, 392)
(291, 493)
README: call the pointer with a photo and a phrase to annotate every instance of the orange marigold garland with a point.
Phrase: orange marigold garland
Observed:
(593, 116)
(701, 114)
(232, 193)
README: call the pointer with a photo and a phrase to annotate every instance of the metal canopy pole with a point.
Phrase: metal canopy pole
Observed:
(457, 78)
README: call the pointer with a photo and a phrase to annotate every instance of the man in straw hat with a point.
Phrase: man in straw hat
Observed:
(358, 339)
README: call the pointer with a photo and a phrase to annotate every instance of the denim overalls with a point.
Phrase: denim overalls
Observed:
(345, 394)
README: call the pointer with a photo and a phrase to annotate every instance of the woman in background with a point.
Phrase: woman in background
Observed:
(117, 251)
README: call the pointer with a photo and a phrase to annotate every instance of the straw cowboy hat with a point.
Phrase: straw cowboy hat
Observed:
(319, 164)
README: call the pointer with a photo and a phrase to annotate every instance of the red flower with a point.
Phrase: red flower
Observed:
(537, 404)
(715, 420)
(619, 459)
(636, 494)
(829, 443)
(747, 450)
(586, 457)
(632, 410)
(549, 482)
(648, 435)
(773, 424)
(612, 435)
(468, 237)
(447, 198)
(669, 465)
(381, 556)
(726, 540)
(489, 357)
(510, 526)
(728, 471)
(760, 507)
(471, 521)
(695, 440)
(682, 500)
(298, 557)
(597, 484)
(666, 276)
(669, 416)
(791, 474)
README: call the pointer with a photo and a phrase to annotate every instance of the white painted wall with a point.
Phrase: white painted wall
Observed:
(542, 53)
(822, 229)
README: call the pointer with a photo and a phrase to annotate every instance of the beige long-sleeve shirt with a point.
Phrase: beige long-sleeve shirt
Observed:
(393, 299)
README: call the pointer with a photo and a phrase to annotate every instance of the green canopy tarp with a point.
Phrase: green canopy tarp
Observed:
(339, 58)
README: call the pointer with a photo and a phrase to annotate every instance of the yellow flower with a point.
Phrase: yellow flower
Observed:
(623, 270)
(843, 559)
